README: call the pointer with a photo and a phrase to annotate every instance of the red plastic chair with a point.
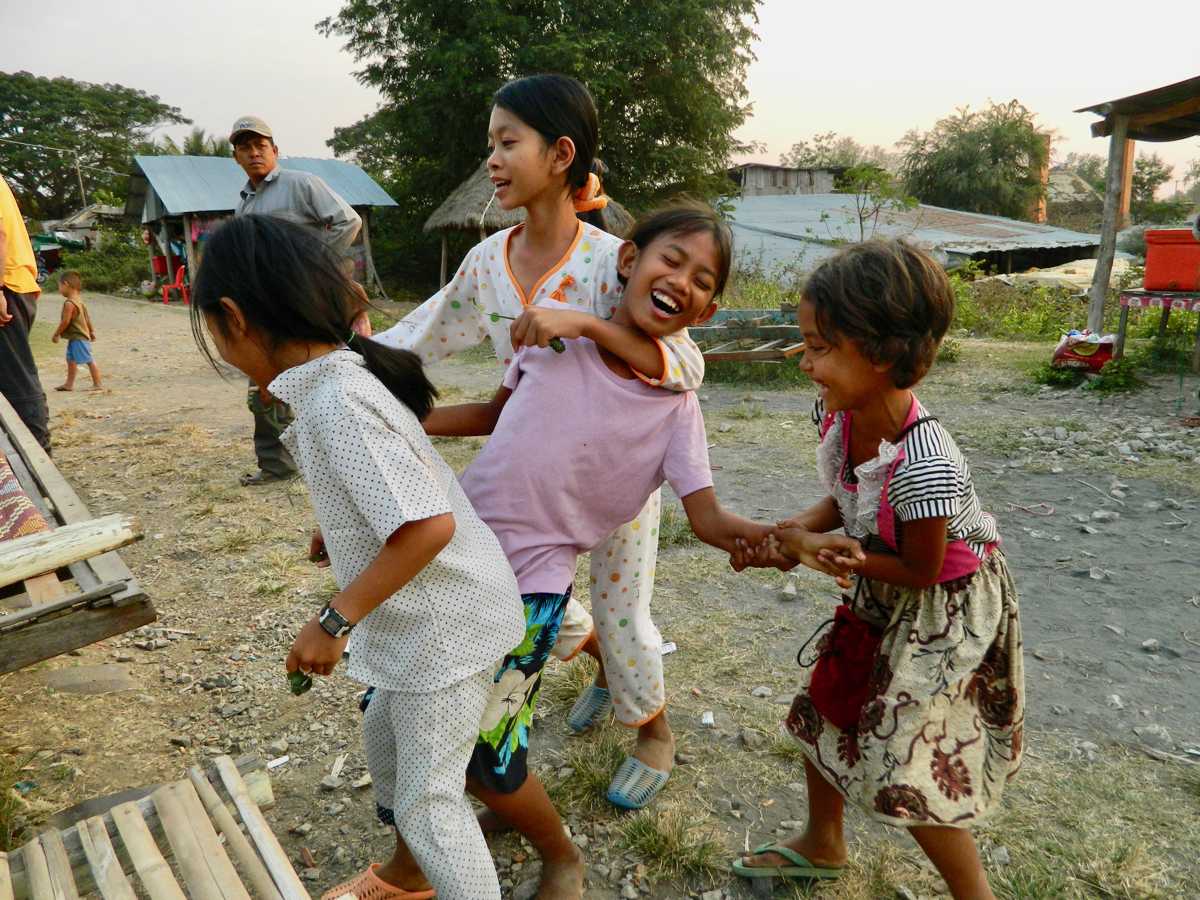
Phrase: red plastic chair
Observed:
(184, 290)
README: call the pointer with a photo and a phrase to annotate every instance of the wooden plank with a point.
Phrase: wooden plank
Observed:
(49, 637)
(148, 862)
(40, 885)
(199, 879)
(767, 346)
(219, 863)
(1126, 187)
(269, 849)
(58, 864)
(48, 551)
(103, 864)
(6, 886)
(248, 862)
(43, 589)
(1108, 232)
(733, 332)
(1183, 108)
(70, 509)
(23, 617)
(257, 781)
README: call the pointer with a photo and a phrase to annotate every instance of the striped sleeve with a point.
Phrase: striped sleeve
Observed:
(927, 488)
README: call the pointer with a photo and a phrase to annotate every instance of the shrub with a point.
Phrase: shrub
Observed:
(120, 261)
(950, 351)
(1056, 377)
(1117, 377)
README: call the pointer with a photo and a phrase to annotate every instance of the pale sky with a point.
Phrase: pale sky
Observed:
(870, 70)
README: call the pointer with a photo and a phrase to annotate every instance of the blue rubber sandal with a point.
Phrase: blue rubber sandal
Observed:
(635, 784)
(799, 868)
(593, 703)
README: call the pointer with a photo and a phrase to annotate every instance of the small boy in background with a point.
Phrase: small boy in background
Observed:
(76, 326)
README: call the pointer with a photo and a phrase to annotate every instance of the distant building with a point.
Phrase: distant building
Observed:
(789, 235)
(762, 180)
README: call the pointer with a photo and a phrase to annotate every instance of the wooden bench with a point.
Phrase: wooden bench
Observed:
(757, 335)
(76, 588)
(184, 840)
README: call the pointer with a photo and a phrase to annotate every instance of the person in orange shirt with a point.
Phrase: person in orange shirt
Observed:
(18, 305)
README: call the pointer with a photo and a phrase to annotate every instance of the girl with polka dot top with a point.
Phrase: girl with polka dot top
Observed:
(427, 602)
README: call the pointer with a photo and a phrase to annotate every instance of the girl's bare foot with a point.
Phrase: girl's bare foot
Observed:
(65, 387)
(96, 387)
(562, 879)
(819, 853)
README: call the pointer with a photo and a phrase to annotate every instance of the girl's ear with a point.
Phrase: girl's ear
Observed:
(235, 320)
(564, 155)
(627, 259)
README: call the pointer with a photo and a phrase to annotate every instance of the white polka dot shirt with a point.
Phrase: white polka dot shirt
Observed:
(370, 469)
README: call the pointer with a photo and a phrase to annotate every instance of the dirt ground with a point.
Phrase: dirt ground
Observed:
(1090, 815)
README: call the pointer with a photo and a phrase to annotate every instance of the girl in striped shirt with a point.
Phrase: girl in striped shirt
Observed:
(912, 704)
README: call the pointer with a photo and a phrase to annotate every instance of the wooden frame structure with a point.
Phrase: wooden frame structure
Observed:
(106, 599)
(193, 823)
(750, 335)
(1169, 113)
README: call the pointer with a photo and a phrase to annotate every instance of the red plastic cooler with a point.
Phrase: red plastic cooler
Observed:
(1172, 260)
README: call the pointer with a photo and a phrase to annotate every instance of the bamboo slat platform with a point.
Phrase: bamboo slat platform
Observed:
(182, 841)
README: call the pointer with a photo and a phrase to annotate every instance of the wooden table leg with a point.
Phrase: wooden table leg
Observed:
(1196, 349)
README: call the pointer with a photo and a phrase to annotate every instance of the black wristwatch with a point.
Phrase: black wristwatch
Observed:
(334, 622)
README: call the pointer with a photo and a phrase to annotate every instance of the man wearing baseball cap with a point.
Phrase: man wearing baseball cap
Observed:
(305, 199)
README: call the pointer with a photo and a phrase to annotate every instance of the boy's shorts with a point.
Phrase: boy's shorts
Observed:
(79, 351)
(500, 759)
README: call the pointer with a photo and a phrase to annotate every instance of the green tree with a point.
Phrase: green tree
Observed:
(1091, 167)
(100, 125)
(669, 80)
(1149, 174)
(828, 150)
(987, 161)
(197, 143)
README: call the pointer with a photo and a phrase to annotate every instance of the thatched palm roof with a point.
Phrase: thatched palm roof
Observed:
(462, 209)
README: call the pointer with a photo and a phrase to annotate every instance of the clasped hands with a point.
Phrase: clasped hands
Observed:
(789, 543)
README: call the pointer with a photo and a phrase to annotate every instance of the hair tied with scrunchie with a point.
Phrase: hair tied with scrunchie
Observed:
(591, 196)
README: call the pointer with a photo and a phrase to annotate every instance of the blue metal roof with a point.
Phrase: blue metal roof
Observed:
(797, 231)
(189, 184)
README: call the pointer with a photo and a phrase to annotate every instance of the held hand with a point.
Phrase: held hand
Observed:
(832, 554)
(763, 555)
(538, 327)
(316, 550)
(53, 340)
(314, 650)
(5, 315)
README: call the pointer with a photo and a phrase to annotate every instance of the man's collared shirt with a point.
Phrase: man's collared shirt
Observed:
(305, 199)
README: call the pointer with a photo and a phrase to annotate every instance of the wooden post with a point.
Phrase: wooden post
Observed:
(165, 238)
(192, 262)
(1117, 148)
(1196, 349)
(1126, 187)
(370, 275)
(445, 260)
(1122, 326)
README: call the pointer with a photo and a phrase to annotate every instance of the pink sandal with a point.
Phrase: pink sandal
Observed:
(369, 886)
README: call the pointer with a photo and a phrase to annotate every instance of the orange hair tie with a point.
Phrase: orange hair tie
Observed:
(590, 197)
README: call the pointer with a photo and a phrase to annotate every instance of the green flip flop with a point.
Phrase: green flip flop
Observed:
(799, 868)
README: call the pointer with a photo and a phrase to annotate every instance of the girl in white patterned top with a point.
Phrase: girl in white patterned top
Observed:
(543, 136)
(428, 602)
(913, 703)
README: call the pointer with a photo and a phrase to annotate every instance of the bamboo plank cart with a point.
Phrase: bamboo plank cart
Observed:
(184, 840)
(750, 335)
(76, 588)
(1168, 302)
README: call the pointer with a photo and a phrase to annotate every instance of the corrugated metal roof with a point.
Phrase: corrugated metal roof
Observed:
(799, 230)
(189, 184)
(1177, 118)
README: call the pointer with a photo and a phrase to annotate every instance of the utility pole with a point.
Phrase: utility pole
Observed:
(79, 175)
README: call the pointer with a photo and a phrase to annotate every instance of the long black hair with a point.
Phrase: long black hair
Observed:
(560, 106)
(290, 287)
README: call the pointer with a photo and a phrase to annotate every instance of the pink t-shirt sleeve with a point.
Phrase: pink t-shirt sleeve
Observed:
(685, 464)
